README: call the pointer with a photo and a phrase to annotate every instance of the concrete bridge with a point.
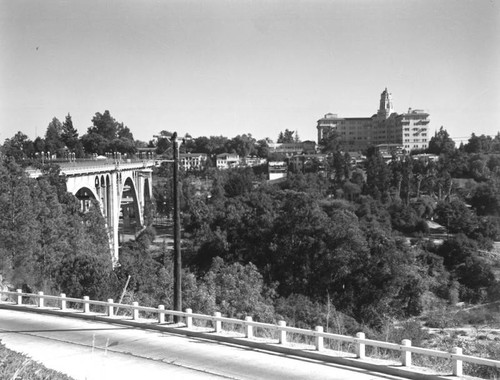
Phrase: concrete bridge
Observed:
(122, 189)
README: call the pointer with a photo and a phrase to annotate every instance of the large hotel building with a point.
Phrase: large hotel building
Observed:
(408, 131)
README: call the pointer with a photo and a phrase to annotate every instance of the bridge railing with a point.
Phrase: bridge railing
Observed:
(359, 341)
(78, 167)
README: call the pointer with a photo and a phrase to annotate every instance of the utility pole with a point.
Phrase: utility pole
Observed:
(177, 232)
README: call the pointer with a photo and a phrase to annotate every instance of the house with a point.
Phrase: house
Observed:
(192, 161)
(277, 170)
(227, 160)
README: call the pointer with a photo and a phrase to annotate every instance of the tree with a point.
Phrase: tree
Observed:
(479, 144)
(237, 291)
(217, 144)
(106, 135)
(456, 216)
(377, 175)
(18, 225)
(339, 166)
(122, 145)
(69, 134)
(262, 148)
(104, 125)
(331, 143)
(472, 272)
(42, 232)
(396, 282)
(53, 137)
(403, 218)
(19, 147)
(123, 132)
(486, 198)
(239, 182)
(286, 137)
(441, 143)
(243, 145)
(39, 145)
(95, 143)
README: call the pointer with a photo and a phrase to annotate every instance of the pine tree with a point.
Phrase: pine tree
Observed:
(69, 133)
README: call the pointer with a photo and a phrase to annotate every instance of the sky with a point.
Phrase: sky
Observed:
(224, 67)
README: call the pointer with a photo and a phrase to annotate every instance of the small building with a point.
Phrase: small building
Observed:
(307, 162)
(426, 157)
(435, 228)
(192, 161)
(415, 129)
(277, 170)
(227, 160)
(253, 161)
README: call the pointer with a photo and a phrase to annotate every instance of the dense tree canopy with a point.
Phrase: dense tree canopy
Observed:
(108, 135)
(287, 137)
(45, 242)
(441, 142)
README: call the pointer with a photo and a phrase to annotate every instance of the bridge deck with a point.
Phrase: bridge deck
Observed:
(95, 166)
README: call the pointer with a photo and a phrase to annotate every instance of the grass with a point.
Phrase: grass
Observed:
(16, 366)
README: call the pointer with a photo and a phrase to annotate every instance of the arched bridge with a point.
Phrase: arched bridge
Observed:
(121, 188)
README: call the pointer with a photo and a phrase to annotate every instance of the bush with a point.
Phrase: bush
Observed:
(411, 329)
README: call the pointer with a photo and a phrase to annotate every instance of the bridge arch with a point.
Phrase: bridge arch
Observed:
(130, 210)
(85, 196)
(103, 189)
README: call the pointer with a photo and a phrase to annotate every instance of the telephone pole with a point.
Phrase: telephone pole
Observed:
(177, 231)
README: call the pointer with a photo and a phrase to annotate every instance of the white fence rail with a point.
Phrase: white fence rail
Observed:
(359, 341)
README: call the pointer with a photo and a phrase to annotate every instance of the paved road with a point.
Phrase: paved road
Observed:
(94, 350)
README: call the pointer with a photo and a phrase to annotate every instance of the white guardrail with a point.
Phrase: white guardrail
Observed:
(359, 341)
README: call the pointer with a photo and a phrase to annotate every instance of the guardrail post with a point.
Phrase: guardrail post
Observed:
(86, 304)
(19, 296)
(406, 355)
(360, 347)
(282, 333)
(63, 301)
(218, 324)
(135, 312)
(189, 319)
(319, 339)
(161, 315)
(111, 310)
(456, 363)
(248, 328)
(40, 298)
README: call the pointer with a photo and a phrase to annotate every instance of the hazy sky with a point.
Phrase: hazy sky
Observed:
(211, 67)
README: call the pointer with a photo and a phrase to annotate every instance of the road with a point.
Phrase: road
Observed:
(94, 350)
